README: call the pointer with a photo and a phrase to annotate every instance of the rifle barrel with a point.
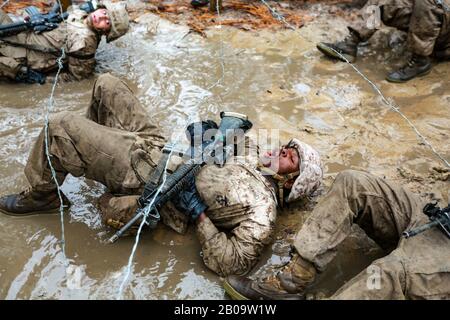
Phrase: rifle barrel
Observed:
(416, 231)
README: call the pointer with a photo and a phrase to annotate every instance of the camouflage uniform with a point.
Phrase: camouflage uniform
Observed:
(426, 21)
(81, 45)
(240, 200)
(416, 268)
(79, 41)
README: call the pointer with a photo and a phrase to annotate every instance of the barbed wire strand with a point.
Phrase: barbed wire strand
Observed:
(141, 225)
(48, 110)
(221, 55)
(177, 139)
(395, 108)
(4, 4)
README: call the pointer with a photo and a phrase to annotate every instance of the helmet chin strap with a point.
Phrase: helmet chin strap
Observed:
(280, 179)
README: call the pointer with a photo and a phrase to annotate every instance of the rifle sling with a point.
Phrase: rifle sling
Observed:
(36, 47)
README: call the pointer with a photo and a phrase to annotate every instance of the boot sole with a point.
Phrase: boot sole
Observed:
(331, 54)
(235, 295)
(49, 212)
(404, 81)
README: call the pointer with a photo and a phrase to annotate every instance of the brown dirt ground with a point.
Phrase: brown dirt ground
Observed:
(243, 14)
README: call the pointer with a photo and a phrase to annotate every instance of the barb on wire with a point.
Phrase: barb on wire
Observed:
(394, 108)
(4, 4)
(278, 15)
(376, 88)
(48, 109)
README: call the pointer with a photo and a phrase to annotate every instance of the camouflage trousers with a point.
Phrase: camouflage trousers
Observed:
(105, 145)
(11, 59)
(426, 22)
(416, 268)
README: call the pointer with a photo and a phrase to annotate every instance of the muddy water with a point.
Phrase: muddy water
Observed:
(281, 82)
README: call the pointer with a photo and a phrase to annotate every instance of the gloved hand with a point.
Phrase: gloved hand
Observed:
(189, 201)
(195, 132)
(199, 128)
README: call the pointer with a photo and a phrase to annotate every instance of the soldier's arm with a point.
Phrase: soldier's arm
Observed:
(81, 58)
(239, 252)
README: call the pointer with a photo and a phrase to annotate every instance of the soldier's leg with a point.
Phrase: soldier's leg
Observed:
(442, 48)
(423, 31)
(418, 269)
(382, 209)
(397, 13)
(367, 23)
(393, 13)
(82, 147)
(9, 67)
(114, 105)
(426, 258)
(425, 26)
(384, 279)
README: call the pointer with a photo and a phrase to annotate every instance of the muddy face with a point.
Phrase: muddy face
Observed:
(282, 161)
(281, 82)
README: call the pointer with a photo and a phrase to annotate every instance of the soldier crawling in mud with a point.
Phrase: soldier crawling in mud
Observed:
(415, 268)
(28, 56)
(427, 23)
(117, 143)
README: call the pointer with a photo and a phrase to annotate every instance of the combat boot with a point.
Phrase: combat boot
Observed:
(289, 283)
(416, 66)
(347, 48)
(31, 202)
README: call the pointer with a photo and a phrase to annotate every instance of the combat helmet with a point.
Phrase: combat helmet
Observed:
(119, 19)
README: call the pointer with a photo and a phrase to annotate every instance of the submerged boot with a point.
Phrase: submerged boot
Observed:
(416, 66)
(288, 284)
(31, 202)
(347, 48)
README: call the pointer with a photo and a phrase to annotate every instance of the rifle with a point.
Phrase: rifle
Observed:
(150, 201)
(39, 22)
(439, 217)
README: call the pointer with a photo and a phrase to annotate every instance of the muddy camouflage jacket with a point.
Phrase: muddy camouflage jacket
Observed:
(241, 214)
(80, 48)
(242, 203)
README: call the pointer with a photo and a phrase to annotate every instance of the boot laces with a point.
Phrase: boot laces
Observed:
(25, 193)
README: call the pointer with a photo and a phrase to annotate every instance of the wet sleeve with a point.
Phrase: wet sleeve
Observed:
(237, 253)
(81, 58)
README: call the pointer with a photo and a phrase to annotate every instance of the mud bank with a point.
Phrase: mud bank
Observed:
(278, 79)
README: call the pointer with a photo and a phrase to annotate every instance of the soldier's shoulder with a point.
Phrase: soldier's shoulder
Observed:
(80, 36)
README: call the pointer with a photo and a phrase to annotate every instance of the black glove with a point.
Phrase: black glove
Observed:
(195, 133)
(189, 201)
(204, 125)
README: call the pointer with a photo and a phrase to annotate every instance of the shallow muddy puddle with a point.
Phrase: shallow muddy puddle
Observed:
(281, 82)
